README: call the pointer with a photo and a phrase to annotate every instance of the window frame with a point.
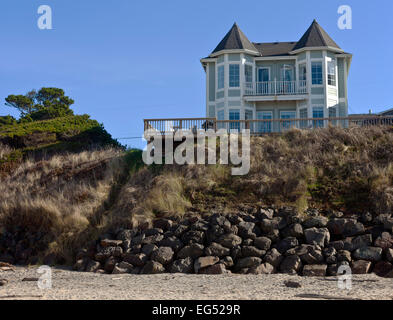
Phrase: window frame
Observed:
(268, 72)
(230, 74)
(245, 72)
(312, 73)
(331, 76)
(220, 78)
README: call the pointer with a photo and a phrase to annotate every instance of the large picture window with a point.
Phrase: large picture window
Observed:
(234, 80)
(234, 114)
(317, 113)
(316, 73)
(248, 73)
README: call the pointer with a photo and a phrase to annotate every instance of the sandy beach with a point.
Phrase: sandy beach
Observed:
(21, 283)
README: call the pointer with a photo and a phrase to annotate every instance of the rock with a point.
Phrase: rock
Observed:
(320, 237)
(265, 214)
(3, 282)
(366, 217)
(193, 236)
(148, 249)
(172, 242)
(127, 234)
(291, 265)
(389, 254)
(104, 254)
(263, 243)
(314, 270)
(384, 241)
(274, 236)
(118, 270)
(214, 233)
(352, 244)
(227, 261)
(388, 224)
(250, 251)
(50, 259)
(126, 265)
(7, 258)
(137, 239)
(80, 265)
(292, 284)
(110, 264)
(268, 226)
(247, 242)
(235, 219)
(248, 230)
(331, 270)
(286, 244)
(382, 268)
(330, 255)
(273, 257)
(164, 224)
(180, 230)
(163, 255)
(182, 266)
(194, 250)
(360, 266)
(336, 226)
(344, 255)
(311, 256)
(153, 232)
(316, 222)
(345, 227)
(203, 262)
(218, 268)
(230, 240)
(264, 268)
(137, 260)
(216, 249)
(236, 252)
(373, 254)
(337, 245)
(93, 266)
(154, 239)
(248, 262)
(294, 230)
(110, 243)
(220, 221)
(153, 267)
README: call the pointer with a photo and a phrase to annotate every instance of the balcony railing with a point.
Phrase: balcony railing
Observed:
(275, 88)
(259, 127)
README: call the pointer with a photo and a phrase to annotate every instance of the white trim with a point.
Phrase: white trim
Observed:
(227, 51)
(275, 98)
(274, 58)
(316, 49)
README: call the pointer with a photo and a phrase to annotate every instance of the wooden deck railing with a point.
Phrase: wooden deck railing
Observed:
(265, 126)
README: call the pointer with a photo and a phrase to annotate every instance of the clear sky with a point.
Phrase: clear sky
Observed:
(125, 60)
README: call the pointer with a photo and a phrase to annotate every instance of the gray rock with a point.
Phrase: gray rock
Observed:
(338, 245)
(164, 224)
(182, 266)
(389, 254)
(264, 268)
(110, 264)
(194, 250)
(92, 266)
(137, 260)
(366, 217)
(291, 265)
(263, 243)
(269, 226)
(360, 266)
(148, 249)
(137, 239)
(163, 255)
(118, 270)
(250, 251)
(368, 253)
(80, 265)
(180, 230)
(236, 252)
(294, 230)
(127, 234)
(247, 242)
(248, 230)
(227, 261)
(273, 257)
(265, 214)
(345, 227)
(248, 262)
(153, 232)
(316, 222)
(216, 249)
(126, 265)
(320, 237)
(384, 241)
(315, 270)
(193, 236)
(172, 242)
(352, 244)
(218, 268)
(110, 243)
(154, 239)
(230, 240)
(388, 224)
(311, 256)
(153, 267)
(344, 255)
(287, 244)
(203, 262)
(382, 268)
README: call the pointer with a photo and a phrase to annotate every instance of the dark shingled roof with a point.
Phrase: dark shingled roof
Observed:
(315, 36)
(235, 39)
(274, 48)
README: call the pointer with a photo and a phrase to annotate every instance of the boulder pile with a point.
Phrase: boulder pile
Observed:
(262, 242)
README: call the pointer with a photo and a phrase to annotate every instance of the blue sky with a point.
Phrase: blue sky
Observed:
(125, 60)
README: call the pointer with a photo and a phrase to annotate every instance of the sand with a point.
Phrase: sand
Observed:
(67, 284)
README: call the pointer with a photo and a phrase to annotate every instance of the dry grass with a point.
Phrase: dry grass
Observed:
(4, 151)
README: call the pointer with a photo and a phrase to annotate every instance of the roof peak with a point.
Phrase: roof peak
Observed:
(315, 36)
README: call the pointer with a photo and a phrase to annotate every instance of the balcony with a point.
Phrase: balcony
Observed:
(275, 90)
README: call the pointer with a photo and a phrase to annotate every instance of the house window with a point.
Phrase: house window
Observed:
(265, 126)
(263, 74)
(234, 80)
(248, 73)
(234, 114)
(331, 73)
(248, 115)
(302, 72)
(333, 114)
(303, 114)
(220, 116)
(317, 113)
(316, 73)
(221, 77)
(286, 73)
(212, 111)
(287, 115)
